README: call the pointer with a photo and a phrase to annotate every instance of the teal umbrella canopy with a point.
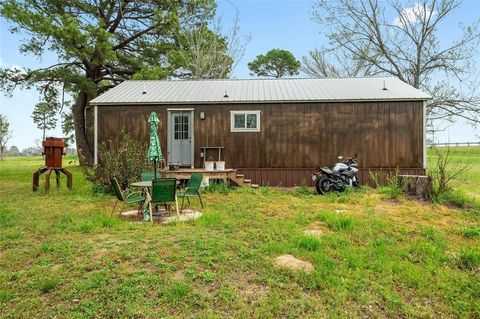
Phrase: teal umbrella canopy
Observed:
(154, 150)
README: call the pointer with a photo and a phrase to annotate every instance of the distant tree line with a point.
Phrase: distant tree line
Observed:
(13, 151)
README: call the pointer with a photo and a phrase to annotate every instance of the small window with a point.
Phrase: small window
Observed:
(245, 121)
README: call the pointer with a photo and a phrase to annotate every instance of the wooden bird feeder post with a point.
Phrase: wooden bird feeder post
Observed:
(53, 151)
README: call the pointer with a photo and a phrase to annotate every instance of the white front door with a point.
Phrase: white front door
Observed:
(181, 137)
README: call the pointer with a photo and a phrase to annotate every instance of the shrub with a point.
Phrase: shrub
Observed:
(393, 189)
(124, 159)
(444, 170)
(220, 187)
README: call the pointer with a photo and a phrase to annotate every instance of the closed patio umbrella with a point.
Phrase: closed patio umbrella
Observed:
(154, 150)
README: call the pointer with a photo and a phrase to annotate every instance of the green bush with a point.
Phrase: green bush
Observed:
(393, 189)
(124, 159)
(220, 187)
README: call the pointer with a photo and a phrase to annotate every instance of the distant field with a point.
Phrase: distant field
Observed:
(464, 155)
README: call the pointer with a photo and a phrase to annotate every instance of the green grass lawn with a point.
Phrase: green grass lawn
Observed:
(62, 255)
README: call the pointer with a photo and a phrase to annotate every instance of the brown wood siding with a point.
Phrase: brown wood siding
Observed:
(288, 177)
(293, 135)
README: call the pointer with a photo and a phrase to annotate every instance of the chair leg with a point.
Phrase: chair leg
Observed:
(114, 206)
(200, 197)
(176, 207)
(122, 209)
(151, 212)
(183, 200)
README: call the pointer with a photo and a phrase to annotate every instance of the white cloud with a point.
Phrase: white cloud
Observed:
(412, 15)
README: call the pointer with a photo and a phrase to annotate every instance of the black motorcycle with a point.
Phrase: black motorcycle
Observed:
(341, 176)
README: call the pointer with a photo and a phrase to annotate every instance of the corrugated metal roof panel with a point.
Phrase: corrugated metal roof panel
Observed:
(259, 90)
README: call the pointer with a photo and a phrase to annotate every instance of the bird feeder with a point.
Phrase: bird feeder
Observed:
(53, 150)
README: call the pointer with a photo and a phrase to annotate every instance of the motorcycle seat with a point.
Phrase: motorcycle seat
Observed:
(326, 170)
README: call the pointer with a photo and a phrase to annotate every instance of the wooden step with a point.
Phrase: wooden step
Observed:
(247, 181)
(240, 175)
(254, 186)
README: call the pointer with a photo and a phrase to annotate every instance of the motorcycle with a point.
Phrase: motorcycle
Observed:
(339, 178)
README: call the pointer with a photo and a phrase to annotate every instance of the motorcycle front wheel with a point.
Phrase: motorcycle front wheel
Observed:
(323, 185)
(356, 184)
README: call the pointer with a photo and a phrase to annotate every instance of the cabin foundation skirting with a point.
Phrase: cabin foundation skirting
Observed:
(289, 177)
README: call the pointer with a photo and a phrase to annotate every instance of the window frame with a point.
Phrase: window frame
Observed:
(257, 113)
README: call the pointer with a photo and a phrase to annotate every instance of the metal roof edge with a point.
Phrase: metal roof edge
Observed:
(258, 102)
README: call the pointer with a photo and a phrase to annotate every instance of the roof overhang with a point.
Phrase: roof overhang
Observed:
(255, 102)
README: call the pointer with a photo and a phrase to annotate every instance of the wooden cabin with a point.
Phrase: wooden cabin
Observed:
(274, 131)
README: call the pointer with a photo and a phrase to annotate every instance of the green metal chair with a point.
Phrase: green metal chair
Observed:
(125, 196)
(192, 189)
(147, 176)
(164, 192)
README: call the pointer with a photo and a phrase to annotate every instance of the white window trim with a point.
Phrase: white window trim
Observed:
(236, 129)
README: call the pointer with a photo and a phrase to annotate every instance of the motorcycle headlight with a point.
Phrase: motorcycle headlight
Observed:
(314, 178)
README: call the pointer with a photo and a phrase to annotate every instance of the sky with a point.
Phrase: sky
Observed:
(283, 24)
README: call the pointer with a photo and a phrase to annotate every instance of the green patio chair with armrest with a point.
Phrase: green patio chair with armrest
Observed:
(164, 192)
(125, 196)
(192, 189)
(147, 176)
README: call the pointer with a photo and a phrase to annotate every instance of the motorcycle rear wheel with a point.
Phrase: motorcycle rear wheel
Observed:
(323, 185)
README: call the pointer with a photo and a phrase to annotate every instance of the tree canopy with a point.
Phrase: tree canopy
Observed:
(100, 44)
(276, 63)
(372, 37)
(44, 116)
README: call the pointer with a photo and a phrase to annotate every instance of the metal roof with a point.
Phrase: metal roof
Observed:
(259, 90)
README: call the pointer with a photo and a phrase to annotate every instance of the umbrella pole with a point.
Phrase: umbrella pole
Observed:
(155, 167)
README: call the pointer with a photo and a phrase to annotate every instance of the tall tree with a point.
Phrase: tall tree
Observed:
(44, 116)
(328, 63)
(387, 38)
(276, 63)
(13, 151)
(68, 127)
(209, 53)
(98, 44)
(5, 133)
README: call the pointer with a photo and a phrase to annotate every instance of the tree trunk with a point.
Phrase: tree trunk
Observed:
(83, 148)
(419, 186)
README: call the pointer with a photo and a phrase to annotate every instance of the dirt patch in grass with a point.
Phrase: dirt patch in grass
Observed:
(316, 229)
(254, 291)
(179, 275)
(99, 252)
(292, 263)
